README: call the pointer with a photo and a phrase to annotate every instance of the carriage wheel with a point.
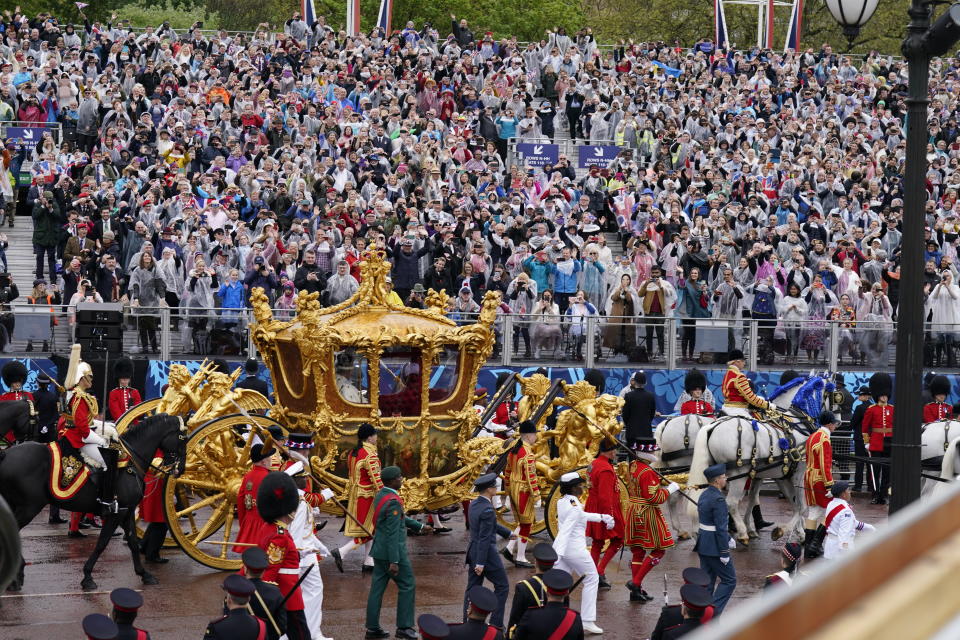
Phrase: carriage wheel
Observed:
(201, 503)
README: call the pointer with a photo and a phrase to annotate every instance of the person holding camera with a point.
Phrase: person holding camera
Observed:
(521, 296)
(147, 291)
(201, 286)
(85, 293)
(46, 232)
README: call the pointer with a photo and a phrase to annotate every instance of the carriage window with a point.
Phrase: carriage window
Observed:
(351, 376)
(446, 374)
(400, 382)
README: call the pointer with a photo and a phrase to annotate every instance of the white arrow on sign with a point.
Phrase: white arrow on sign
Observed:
(28, 134)
(598, 151)
(538, 149)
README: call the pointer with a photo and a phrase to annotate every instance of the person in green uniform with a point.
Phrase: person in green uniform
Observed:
(390, 561)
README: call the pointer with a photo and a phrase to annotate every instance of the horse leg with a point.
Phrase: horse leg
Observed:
(734, 497)
(24, 513)
(130, 534)
(753, 498)
(793, 529)
(110, 522)
(673, 508)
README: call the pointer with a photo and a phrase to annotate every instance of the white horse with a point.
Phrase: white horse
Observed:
(675, 437)
(935, 439)
(949, 467)
(752, 446)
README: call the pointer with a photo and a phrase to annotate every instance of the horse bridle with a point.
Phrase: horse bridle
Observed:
(163, 469)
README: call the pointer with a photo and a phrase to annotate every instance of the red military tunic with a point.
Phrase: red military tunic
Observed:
(284, 563)
(818, 476)
(364, 482)
(696, 407)
(520, 482)
(83, 408)
(121, 400)
(16, 395)
(502, 417)
(645, 526)
(934, 411)
(878, 425)
(604, 497)
(737, 392)
(252, 525)
(152, 505)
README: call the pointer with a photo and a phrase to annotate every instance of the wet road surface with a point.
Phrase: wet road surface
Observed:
(189, 596)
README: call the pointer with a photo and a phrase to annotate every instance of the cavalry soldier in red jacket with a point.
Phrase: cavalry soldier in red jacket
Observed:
(277, 502)
(604, 497)
(817, 480)
(14, 375)
(738, 397)
(645, 530)
(123, 397)
(695, 383)
(878, 431)
(938, 409)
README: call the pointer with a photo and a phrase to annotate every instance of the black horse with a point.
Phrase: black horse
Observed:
(25, 471)
(15, 415)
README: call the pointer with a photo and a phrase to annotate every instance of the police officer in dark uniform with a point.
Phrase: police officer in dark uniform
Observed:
(126, 604)
(482, 602)
(46, 402)
(859, 448)
(672, 614)
(531, 593)
(555, 619)
(696, 600)
(238, 623)
(251, 381)
(97, 626)
(265, 601)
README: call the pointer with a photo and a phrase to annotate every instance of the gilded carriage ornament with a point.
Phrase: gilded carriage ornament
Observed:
(409, 372)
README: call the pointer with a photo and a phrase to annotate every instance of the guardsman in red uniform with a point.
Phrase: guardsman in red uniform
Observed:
(817, 480)
(277, 502)
(938, 409)
(123, 397)
(14, 375)
(738, 397)
(878, 431)
(251, 525)
(520, 483)
(645, 530)
(604, 497)
(694, 383)
(364, 482)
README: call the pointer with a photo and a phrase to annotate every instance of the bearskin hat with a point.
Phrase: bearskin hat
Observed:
(880, 385)
(14, 371)
(787, 376)
(694, 380)
(123, 368)
(277, 496)
(596, 379)
(940, 385)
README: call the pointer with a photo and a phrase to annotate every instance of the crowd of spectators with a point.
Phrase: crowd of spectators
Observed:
(195, 166)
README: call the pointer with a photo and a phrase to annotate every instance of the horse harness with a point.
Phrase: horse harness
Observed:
(687, 449)
(936, 461)
(788, 460)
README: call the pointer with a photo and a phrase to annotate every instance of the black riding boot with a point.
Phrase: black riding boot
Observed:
(758, 521)
(108, 482)
(153, 539)
(814, 548)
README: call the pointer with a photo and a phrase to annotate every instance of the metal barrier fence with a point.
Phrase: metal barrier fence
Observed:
(523, 340)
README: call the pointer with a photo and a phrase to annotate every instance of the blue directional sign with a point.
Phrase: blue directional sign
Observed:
(600, 155)
(25, 136)
(536, 154)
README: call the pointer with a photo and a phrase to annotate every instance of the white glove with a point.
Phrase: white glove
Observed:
(724, 560)
(732, 544)
(326, 494)
(672, 488)
(608, 520)
(95, 438)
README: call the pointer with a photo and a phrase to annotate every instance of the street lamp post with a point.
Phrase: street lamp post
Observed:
(921, 44)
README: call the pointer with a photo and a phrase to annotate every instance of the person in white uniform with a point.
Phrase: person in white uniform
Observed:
(311, 551)
(841, 523)
(571, 545)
